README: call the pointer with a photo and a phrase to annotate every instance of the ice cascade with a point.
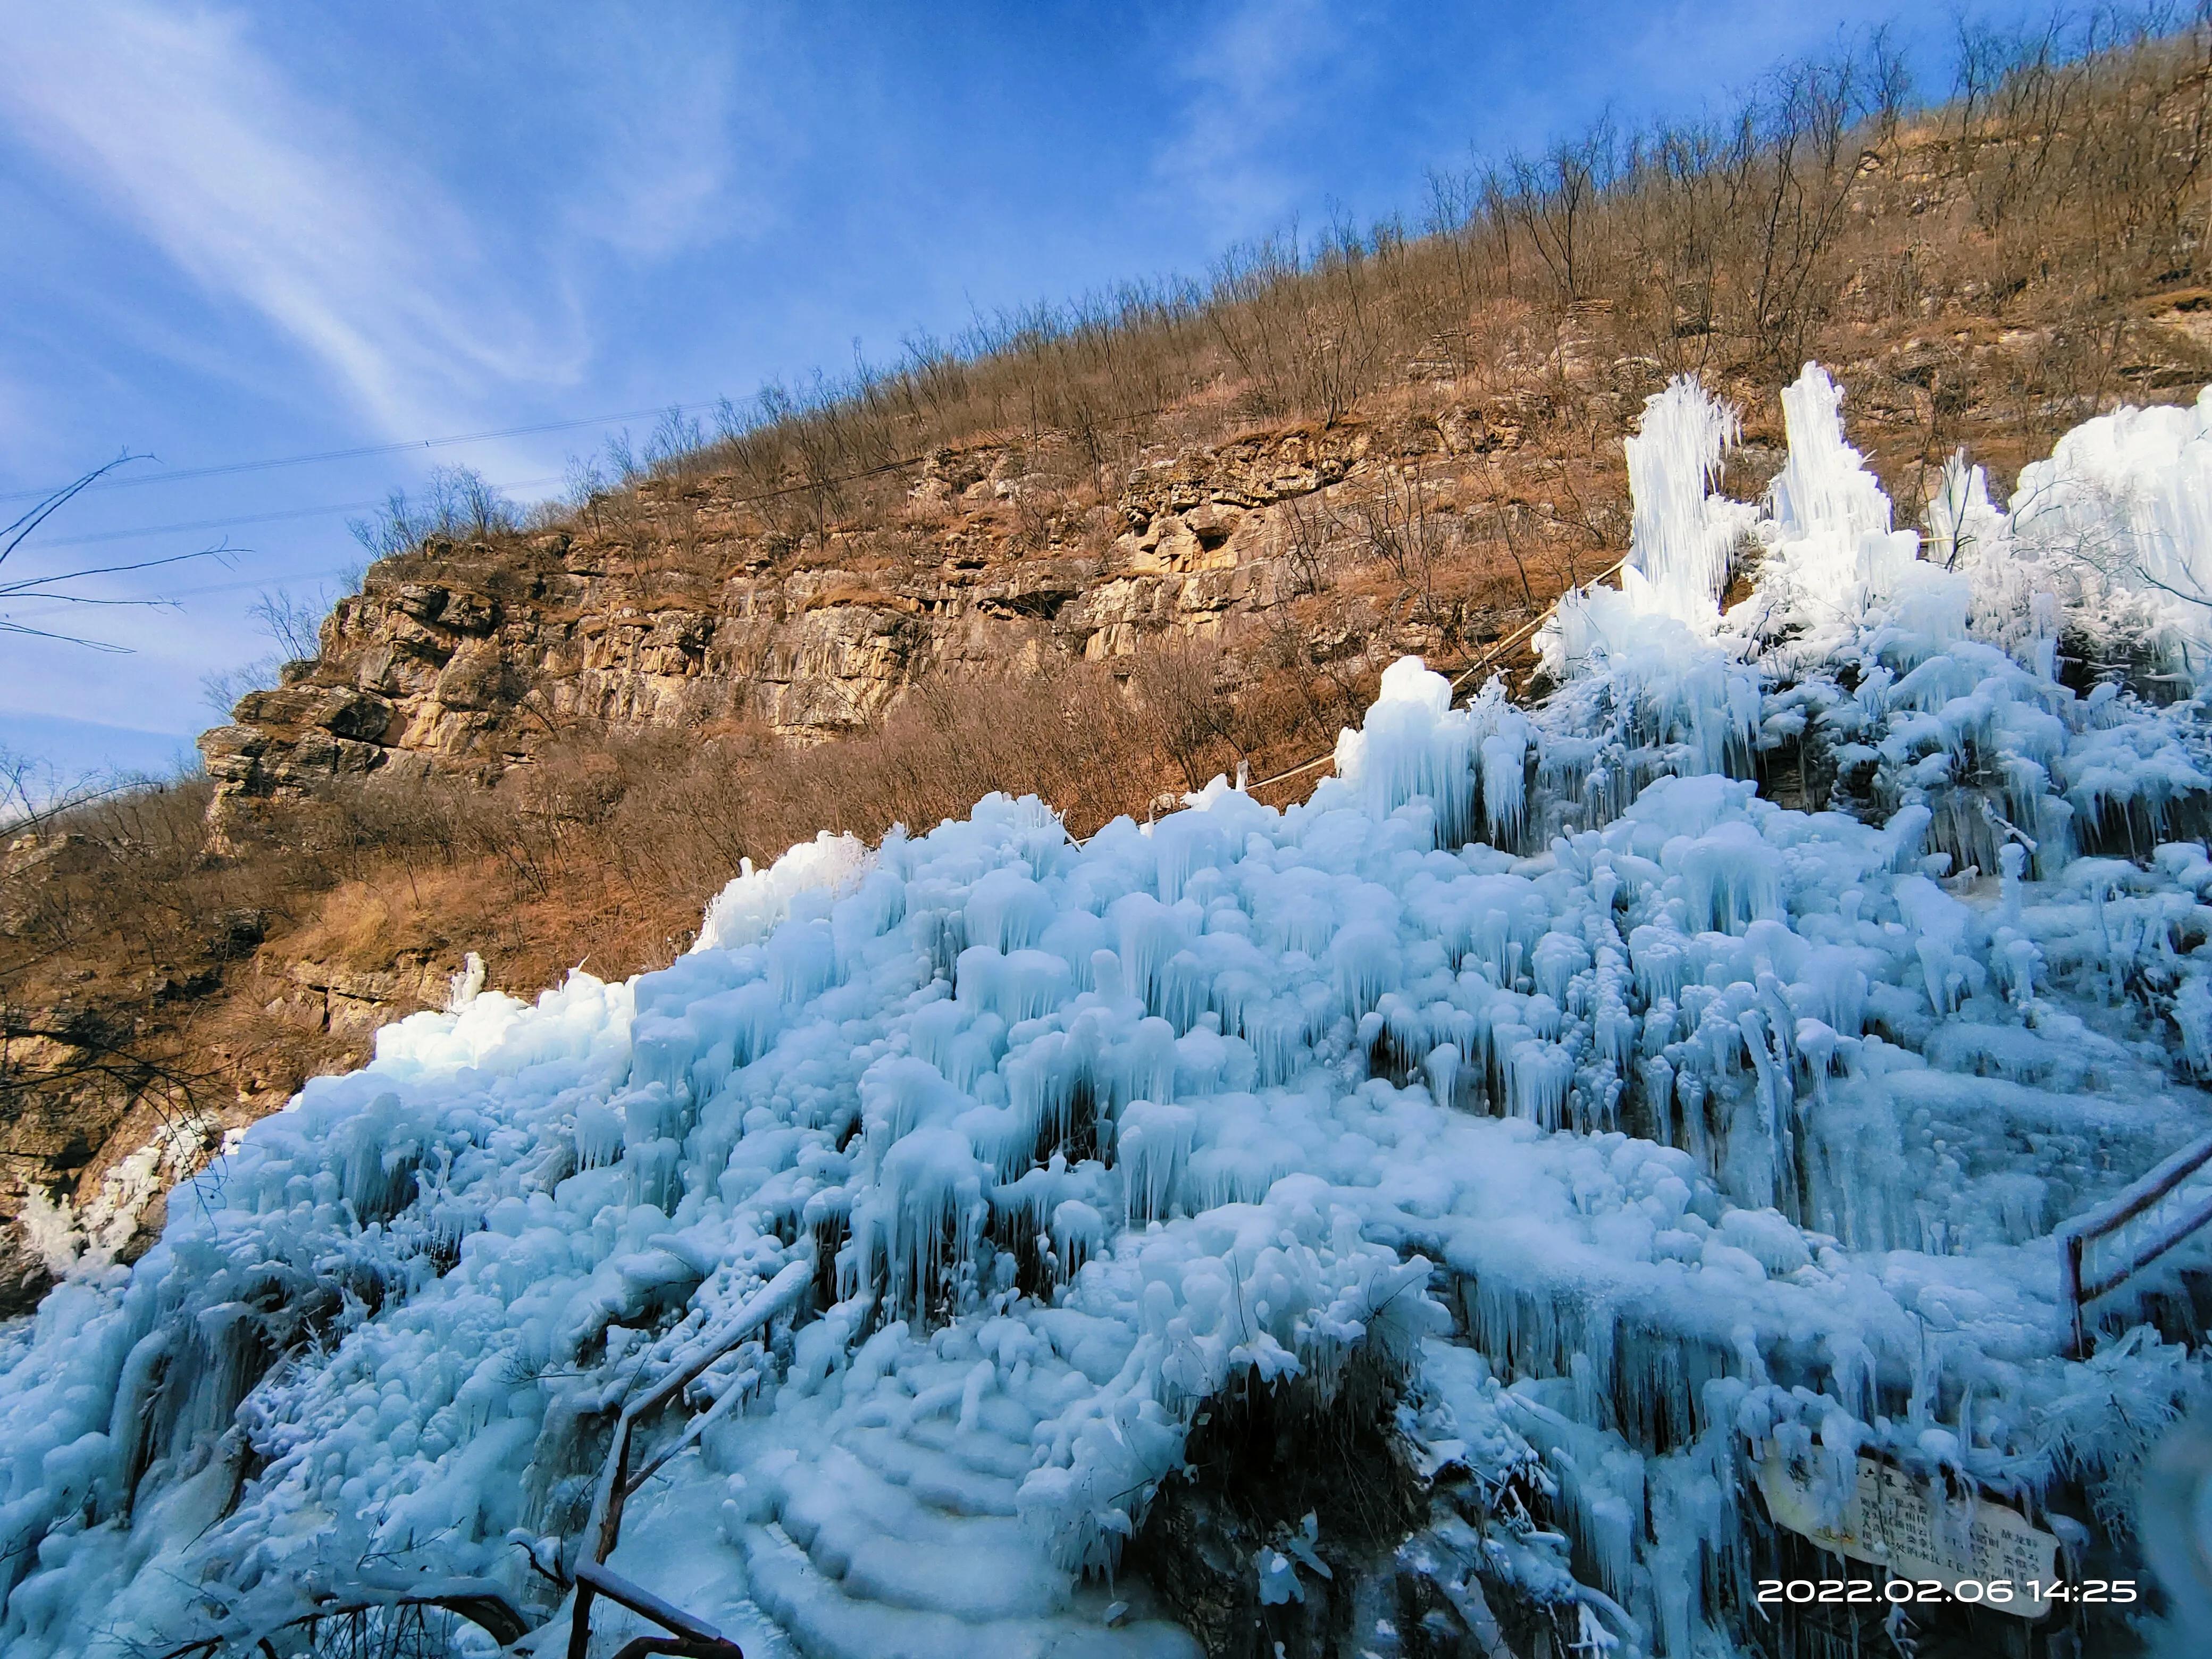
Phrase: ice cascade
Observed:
(1592, 1107)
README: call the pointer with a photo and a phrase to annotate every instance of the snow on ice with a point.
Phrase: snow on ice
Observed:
(1626, 1120)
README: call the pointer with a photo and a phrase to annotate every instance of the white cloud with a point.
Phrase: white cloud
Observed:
(657, 176)
(174, 122)
(1251, 77)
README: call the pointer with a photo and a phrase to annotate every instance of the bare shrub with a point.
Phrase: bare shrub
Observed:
(292, 624)
(1395, 521)
(1305, 529)
(458, 502)
(1182, 684)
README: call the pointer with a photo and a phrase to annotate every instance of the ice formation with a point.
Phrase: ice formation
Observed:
(1686, 1071)
(2118, 521)
(1682, 537)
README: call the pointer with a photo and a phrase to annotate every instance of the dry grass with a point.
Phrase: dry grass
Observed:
(2059, 178)
(608, 845)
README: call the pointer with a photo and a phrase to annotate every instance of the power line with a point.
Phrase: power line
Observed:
(184, 473)
(803, 486)
(257, 518)
(244, 582)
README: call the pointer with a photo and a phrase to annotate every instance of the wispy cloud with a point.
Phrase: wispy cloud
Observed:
(659, 105)
(173, 121)
(1251, 78)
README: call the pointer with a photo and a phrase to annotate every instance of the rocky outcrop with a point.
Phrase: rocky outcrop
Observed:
(466, 657)
(687, 601)
(355, 1002)
(286, 738)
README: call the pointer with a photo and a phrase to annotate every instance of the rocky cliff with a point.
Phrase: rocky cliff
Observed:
(690, 607)
(1427, 521)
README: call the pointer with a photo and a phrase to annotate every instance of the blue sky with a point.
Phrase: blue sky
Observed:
(240, 233)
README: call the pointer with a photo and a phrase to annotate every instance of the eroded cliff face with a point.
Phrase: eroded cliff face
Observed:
(689, 608)
(808, 611)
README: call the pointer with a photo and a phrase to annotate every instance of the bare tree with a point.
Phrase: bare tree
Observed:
(1303, 531)
(292, 624)
(458, 502)
(1555, 201)
(68, 587)
(1397, 521)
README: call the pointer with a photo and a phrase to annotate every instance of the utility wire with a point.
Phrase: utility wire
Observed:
(257, 518)
(406, 444)
(328, 573)
(520, 484)
(182, 473)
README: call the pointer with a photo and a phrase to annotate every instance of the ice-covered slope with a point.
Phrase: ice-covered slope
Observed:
(1540, 1090)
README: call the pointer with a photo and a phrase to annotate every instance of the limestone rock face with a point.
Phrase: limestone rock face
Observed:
(464, 657)
(354, 1001)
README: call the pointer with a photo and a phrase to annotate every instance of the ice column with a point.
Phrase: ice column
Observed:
(1681, 535)
(1831, 515)
(1962, 525)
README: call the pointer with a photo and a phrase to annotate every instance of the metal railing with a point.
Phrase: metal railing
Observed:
(1497, 654)
(688, 1637)
(2074, 1238)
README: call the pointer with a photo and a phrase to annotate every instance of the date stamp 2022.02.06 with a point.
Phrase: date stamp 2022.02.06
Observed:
(2021, 1597)
(1935, 1547)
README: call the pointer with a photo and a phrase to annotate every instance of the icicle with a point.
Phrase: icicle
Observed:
(1504, 786)
(1681, 536)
